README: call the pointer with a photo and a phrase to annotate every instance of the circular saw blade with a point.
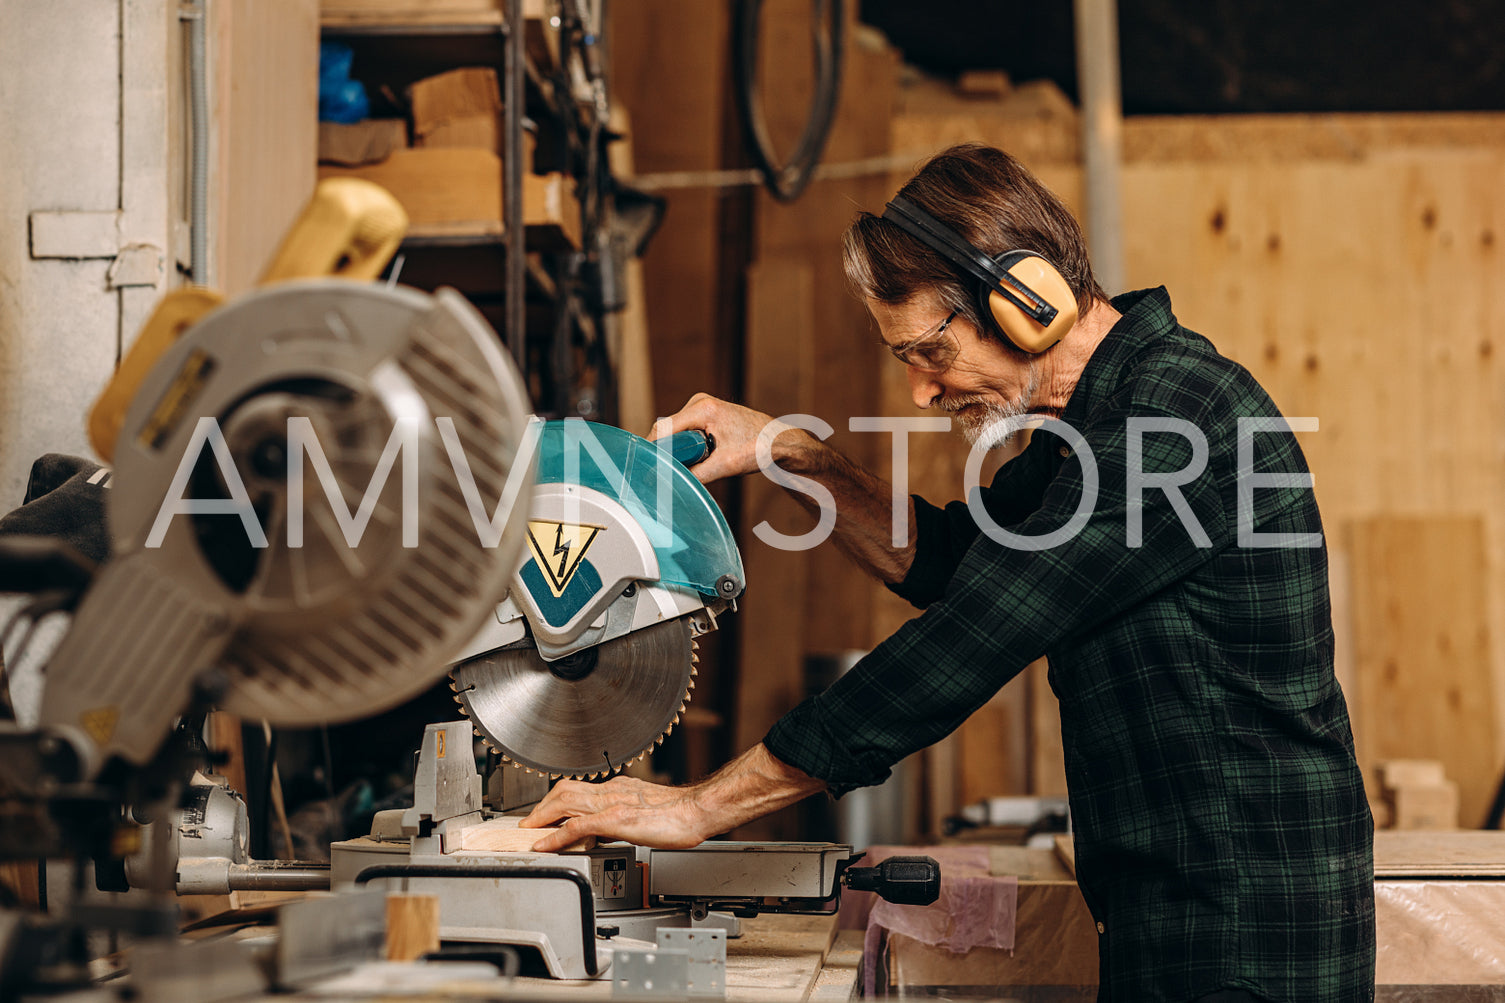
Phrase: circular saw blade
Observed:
(533, 713)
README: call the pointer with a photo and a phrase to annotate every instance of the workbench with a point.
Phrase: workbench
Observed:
(778, 959)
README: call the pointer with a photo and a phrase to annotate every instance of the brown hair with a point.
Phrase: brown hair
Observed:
(989, 199)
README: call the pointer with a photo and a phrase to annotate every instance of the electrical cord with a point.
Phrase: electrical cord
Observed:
(787, 181)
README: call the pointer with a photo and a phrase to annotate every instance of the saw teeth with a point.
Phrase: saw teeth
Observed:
(657, 742)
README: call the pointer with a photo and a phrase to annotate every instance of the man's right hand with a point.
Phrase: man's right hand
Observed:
(863, 502)
(735, 430)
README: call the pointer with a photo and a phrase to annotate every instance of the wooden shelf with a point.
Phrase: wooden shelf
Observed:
(386, 20)
(479, 232)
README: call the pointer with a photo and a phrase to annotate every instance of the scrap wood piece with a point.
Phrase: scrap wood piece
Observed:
(502, 835)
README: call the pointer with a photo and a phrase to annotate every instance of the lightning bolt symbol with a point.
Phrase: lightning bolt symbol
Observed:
(562, 548)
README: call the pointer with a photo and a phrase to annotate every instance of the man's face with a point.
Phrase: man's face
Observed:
(983, 385)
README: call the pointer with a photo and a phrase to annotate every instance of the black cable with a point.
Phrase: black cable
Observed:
(787, 181)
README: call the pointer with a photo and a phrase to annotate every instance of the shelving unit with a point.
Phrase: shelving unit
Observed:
(493, 29)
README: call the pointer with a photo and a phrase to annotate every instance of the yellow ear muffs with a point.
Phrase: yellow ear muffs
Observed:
(1039, 281)
(1020, 295)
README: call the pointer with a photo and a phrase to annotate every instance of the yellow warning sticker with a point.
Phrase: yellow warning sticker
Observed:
(100, 723)
(558, 548)
(175, 402)
(439, 736)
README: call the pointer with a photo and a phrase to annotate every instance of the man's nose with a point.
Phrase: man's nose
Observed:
(924, 388)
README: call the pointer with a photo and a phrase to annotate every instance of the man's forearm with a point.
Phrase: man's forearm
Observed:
(751, 786)
(864, 506)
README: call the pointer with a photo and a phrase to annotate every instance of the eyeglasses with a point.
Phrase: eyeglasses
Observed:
(933, 352)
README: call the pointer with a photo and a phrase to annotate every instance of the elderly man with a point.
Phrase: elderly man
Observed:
(1157, 539)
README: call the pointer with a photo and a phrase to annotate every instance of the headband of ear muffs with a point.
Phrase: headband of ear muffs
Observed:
(1020, 295)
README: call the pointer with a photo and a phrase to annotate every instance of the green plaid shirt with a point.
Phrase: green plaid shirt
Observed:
(1223, 839)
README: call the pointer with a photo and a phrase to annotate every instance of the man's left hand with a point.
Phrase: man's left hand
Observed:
(622, 808)
(670, 818)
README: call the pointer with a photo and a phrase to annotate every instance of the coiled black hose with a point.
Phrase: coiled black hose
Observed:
(787, 181)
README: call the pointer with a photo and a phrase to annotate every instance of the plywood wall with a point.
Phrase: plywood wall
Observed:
(1351, 264)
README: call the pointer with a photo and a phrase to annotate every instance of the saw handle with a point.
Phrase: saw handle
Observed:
(349, 230)
(689, 447)
(900, 880)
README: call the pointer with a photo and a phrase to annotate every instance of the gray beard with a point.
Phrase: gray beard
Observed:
(985, 425)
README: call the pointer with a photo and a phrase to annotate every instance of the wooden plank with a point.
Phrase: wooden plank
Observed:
(839, 975)
(676, 106)
(19, 878)
(942, 782)
(1462, 854)
(370, 17)
(457, 192)
(1441, 934)
(779, 957)
(224, 738)
(266, 131)
(775, 610)
(1046, 754)
(632, 353)
(1422, 649)
(501, 835)
(1066, 852)
(844, 379)
(993, 744)
(412, 926)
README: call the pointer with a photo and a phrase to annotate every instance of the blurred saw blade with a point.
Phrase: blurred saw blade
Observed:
(585, 715)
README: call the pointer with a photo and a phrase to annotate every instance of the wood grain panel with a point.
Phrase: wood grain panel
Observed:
(1422, 649)
(778, 604)
(266, 129)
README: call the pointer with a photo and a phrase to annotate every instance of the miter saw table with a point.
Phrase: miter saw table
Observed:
(575, 910)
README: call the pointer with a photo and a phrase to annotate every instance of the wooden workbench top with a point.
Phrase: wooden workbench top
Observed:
(778, 958)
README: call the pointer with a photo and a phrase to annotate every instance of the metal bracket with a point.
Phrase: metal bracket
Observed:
(650, 974)
(707, 951)
(687, 964)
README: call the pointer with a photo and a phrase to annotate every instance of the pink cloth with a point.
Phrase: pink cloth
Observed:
(976, 908)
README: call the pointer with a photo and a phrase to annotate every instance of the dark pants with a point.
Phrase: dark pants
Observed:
(1229, 996)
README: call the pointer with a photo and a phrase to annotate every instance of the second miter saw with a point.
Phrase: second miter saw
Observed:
(591, 657)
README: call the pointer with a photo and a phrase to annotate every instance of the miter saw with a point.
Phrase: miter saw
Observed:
(586, 668)
(311, 511)
(591, 657)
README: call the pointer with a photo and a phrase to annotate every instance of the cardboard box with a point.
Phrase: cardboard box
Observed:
(1410, 773)
(366, 142)
(441, 189)
(1431, 807)
(458, 191)
(476, 132)
(462, 107)
(1055, 937)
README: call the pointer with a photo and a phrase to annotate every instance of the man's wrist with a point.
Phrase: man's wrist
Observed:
(797, 451)
(749, 787)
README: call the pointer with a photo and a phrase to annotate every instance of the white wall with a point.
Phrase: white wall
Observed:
(84, 90)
